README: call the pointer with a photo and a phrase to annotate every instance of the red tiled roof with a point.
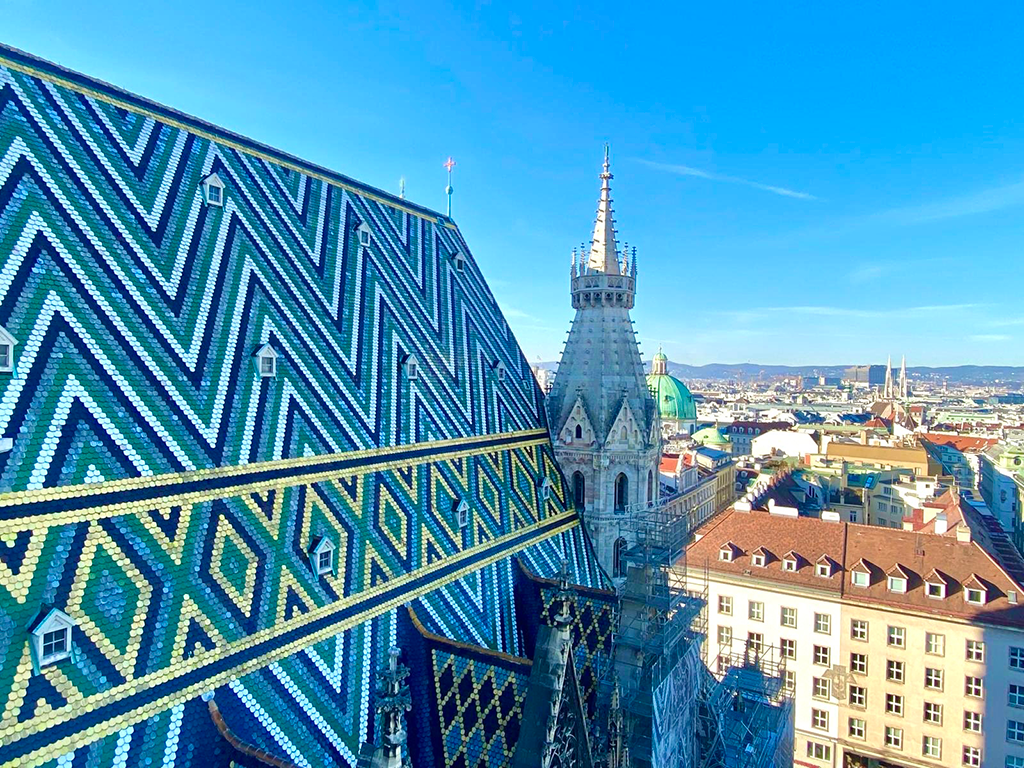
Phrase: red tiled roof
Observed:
(864, 547)
(962, 443)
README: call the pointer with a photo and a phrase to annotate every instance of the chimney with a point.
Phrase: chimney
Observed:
(942, 523)
(963, 533)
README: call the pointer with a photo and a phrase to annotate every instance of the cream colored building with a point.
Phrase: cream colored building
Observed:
(925, 649)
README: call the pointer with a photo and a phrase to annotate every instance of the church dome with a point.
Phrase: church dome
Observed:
(673, 399)
(711, 437)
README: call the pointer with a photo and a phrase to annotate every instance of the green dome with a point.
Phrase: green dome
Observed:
(710, 436)
(673, 399)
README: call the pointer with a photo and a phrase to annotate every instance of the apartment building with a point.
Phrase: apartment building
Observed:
(903, 648)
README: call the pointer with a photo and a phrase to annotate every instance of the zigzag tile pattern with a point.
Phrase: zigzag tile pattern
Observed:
(165, 495)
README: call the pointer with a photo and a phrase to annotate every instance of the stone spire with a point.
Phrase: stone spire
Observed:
(904, 385)
(887, 391)
(603, 252)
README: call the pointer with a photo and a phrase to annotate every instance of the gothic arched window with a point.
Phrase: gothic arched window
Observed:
(650, 486)
(621, 492)
(579, 432)
(618, 563)
(579, 489)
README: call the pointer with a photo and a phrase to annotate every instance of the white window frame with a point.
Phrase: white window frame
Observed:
(896, 637)
(461, 511)
(975, 596)
(893, 737)
(934, 644)
(209, 184)
(365, 235)
(938, 587)
(972, 757)
(932, 713)
(323, 547)
(897, 584)
(411, 366)
(757, 560)
(7, 342)
(860, 579)
(266, 353)
(858, 696)
(55, 621)
(857, 728)
(934, 679)
(725, 605)
(819, 719)
(894, 704)
(974, 687)
(784, 617)
(755, 610)
(856, 625)
(975, 650)
(972, 721)
(931, 746)
(823, 623)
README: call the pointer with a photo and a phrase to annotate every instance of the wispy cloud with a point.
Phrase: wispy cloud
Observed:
(686, 170)
(1006, 322)
(512, 313)
(983, 201)
(990, 337)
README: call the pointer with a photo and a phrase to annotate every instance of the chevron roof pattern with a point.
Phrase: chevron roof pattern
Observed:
(165, 489)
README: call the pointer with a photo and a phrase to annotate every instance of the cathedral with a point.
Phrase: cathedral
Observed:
(603, 419)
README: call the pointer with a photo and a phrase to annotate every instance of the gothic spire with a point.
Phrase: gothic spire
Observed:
(603, 255)
(904, 388)
(887, 392)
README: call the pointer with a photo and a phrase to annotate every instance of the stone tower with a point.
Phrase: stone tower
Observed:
(602, 416)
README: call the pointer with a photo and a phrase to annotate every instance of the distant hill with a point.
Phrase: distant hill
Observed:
(956, 374)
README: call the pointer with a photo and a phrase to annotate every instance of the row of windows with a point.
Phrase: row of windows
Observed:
(973, 687)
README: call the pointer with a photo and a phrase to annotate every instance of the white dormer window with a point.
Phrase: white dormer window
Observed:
(460, 261)
(412, 367)
(364, 235)
(545, 489)
(823, 568)
(975, 596)
(935, 589)
(50, 636)
(7, 343)
(213, 190)
(322, 556)
(725, 554)
(860, 579)
(757, 559)
(461, 510)
(789, 564)
(266, 361)
(897, 584)
(499, 371)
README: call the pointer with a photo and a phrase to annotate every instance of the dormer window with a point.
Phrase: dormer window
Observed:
(935, 585)
(213, 190)
(791, 562)
(499, 371)
(860, 578)
(759, 558)
(412, 367)
(727, 553)
(322, 556)
(50, 637)
(364, 235)
(545, 489)
(266, 361)
(7, 343)
(461, 511)
(975, 591)
(823, 568)
(460, 261)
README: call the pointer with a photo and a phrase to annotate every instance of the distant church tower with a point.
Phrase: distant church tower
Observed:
(602, 416)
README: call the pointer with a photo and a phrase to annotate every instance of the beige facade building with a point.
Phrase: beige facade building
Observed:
(885, 457)
(903, 648)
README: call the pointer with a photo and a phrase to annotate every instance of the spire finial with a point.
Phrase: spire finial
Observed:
(603, 251)
(449, 164)
(401, 188)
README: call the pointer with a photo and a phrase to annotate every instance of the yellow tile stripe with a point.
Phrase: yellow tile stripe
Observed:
(113, 725)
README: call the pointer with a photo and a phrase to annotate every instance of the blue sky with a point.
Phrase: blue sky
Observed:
(805, 185)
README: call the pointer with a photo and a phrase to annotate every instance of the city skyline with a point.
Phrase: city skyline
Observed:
(774, 191)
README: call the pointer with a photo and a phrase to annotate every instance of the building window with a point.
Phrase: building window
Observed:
(933, 713)
(725, 635)
(461, 510)
(412, 367)
(972, 757)
(858, 696)
(1016, 696)
(933, 678)
(364, 233)
(934, 644)
(858, 728)
(1016, 658)
(7, 343)
(322, 556)
(266, 361)
(974, 687)
(755, 642)
(821, 688)
(755, 610)
(859, 629)
(757, 559)
(897, 637)
(936, 589)
(787, 648)
(976, 651)
(618, 557)
(818, 751)
(579, 432)
(725, 605)
(823, 569)
(823, 623)
(932, 747)
(893, 737)
(860, 579)
(1015, 731)
(897, 584)
(821, 655)
(975, 596)
(788, 617)
(621, 493)
(789, 681)
(650, 486)
(894, 704)
(972, 721)
(894, 671)
(789, 563)
(460, 262)
(213, 190)
(50, 637)
(579, 489)
(1013, 761)
(819, 719)
(859, 663)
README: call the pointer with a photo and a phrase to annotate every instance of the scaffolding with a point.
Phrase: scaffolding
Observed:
(657, 645)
